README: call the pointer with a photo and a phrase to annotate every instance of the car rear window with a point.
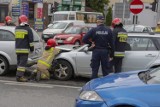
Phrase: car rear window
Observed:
(6, 36)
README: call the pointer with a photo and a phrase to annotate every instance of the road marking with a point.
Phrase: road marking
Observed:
(136, 7)
(37, 84)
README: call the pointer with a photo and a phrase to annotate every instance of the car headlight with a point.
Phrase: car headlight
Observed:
(90, 95)
(69, 39)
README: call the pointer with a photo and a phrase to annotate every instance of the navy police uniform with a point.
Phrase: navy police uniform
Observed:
(24, 44)
(120, 41)
(102, 38)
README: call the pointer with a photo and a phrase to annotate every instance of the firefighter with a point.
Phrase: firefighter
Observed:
(102, 38)
(24, 45)
(8, 21)
(158, 27)
(45, 62)
(120, 40)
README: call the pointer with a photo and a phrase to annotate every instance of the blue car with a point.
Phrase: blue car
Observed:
(127, 89)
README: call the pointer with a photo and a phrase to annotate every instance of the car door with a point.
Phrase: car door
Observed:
(141, 54)
(7, 46)
(83, 61)
(38, 46)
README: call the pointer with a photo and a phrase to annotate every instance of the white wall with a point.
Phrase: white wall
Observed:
(146, 17)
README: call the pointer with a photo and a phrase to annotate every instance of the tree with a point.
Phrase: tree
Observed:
(109, 17)
(97, 5)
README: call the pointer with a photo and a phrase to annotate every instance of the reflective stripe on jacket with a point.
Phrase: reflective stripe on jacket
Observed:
(22, 50)
(48, 56)
(119, 54)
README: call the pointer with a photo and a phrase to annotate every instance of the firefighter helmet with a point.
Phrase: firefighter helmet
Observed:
(23, 19)
(8, 18)
(116, 21)
(51, 43)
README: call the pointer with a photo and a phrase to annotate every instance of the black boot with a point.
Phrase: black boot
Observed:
(21, 79)
(33, 76)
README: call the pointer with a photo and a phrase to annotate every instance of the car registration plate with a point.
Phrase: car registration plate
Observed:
(60, 41)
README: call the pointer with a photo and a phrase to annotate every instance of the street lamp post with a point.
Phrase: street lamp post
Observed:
(105, 11)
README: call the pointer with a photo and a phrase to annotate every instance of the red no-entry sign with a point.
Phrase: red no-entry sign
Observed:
(136, 6)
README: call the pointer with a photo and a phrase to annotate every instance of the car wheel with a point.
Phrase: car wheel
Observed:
(77, 43)
(3, 66)
(63, 70)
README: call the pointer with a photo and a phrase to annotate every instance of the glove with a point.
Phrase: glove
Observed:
(32, 48)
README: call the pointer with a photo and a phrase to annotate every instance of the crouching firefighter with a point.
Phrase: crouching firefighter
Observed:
(24, 45)
(44, 63)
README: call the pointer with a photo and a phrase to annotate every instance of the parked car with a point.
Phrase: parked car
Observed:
(143, 52)
(58, 27)
(72, 35)
(8, 58)
(138, 28)
(127, 89)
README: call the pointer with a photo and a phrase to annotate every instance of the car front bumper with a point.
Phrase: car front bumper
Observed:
(83, 103)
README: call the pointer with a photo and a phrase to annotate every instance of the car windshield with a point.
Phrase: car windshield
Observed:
(73, 30)
(58, 25)
(130, 28)
(154, 76)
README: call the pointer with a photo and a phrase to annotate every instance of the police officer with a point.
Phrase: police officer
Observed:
(8, 21)
(24, 44)
(101, 40)
(120, 41)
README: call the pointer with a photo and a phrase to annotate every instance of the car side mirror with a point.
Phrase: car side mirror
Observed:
(86, 49)
(49, 25)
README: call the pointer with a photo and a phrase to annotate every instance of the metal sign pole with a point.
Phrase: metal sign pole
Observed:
(123, 11)
(134, 22)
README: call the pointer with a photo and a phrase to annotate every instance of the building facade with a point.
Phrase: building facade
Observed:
(4, 9)
(39, 12)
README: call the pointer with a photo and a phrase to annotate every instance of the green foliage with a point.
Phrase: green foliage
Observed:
(97, 5)
(109, 17)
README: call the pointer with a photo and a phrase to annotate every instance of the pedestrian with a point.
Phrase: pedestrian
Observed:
(120, 41)
(102, 38)
(158, 27)
(8, 21)
(24, 45)
(44, 63)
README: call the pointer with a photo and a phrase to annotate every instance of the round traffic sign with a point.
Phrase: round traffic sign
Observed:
(136, 6)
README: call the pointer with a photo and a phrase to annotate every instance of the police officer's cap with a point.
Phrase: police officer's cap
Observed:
(100, 17)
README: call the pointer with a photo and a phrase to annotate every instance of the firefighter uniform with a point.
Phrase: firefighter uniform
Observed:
(44, 63)
(102, 38)
(24, 44)
(120, 41)
(157, 30)
(158, 27)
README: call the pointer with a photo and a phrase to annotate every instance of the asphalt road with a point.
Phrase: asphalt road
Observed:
(77, 81)
(16, 94)
(52, 93)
